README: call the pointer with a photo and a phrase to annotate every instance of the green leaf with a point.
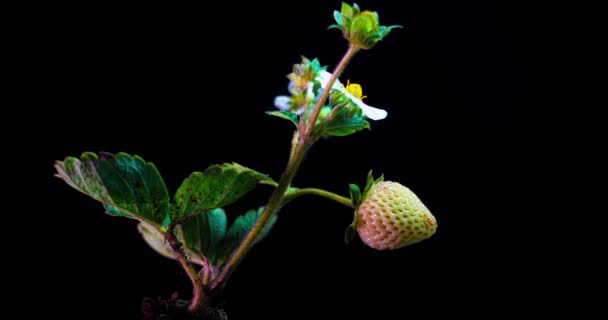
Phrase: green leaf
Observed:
(218, 186)
(127, 186)
(355, 194)
(202, 234)
(156, 240)
(285, 115)
(239, 228)
(344, 120)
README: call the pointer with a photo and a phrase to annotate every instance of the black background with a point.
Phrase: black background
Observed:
(187, 86)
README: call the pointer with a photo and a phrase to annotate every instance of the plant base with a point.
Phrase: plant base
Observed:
(176, 309)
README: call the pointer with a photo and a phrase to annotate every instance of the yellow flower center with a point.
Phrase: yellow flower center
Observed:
(355, 89)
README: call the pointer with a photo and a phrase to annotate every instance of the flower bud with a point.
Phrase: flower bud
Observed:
(361, 29)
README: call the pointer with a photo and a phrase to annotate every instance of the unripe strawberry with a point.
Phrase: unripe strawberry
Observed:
(392, 216)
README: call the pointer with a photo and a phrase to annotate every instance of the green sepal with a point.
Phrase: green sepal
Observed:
(338, 17)
(349, 11)
(343, 120)
(355, 194)
(350, 232)
(369, 183)
(357, 198)
(379, 179)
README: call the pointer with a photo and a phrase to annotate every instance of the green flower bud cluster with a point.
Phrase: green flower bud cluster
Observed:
(302, 76)
(360, 28)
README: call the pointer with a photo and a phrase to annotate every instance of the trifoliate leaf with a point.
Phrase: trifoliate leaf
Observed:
(218, 186)
(127, 186)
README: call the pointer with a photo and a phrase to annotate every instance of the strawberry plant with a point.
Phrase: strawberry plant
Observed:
(190, 225)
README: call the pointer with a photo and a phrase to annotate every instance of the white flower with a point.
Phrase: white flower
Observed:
(354, 93)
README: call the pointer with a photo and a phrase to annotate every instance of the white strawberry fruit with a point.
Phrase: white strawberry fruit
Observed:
(391, 216)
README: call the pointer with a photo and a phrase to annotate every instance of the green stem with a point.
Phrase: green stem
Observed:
(318, 192)
(197, 302)
(304, 142)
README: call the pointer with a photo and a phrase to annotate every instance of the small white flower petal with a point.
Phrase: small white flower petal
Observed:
(309, 93)
(324, 77)
(371, 112)
(281, 102)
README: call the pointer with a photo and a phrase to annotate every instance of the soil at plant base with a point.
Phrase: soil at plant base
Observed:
(176, 309)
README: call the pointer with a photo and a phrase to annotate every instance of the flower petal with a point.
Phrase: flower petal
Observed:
(324, 77)
(282, 102)
(371, 112)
